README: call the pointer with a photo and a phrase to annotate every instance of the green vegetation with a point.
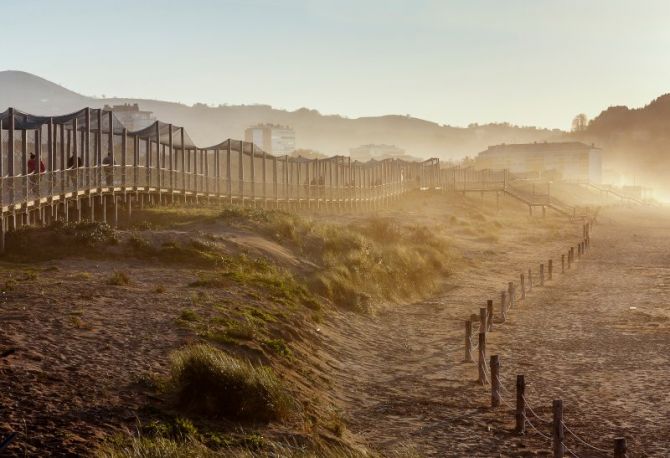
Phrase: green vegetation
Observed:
(278, 347)
(208, 381)
(189, 252)
(58, 240)
(189, 315)
(279, 284)
(244, 330)
(375, 259)
(118, 279)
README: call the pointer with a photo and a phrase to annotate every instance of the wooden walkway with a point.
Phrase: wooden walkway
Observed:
(94, 168)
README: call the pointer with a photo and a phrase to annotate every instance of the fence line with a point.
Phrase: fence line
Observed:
(499, 392)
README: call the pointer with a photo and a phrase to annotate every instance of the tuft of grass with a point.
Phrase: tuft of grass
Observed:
(160, 289)
(118, 279)
(208, 381)
(191, 252)
(278, 347)
(189, 315)
(243, 330)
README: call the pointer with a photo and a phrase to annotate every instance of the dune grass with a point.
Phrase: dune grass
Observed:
(279, 284)
(208, 381)
(58, 240)
(375, 258)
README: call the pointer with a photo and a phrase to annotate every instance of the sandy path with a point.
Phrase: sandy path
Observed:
(576, 339)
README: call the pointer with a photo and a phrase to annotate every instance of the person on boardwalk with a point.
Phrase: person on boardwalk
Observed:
(32, 164)
(108, 164)
(72, 169)
(34, 175)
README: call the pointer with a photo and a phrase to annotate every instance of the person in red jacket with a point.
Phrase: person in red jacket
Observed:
(35, 178)
(32, 162)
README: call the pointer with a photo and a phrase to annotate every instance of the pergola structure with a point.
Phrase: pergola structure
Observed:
(93, 165)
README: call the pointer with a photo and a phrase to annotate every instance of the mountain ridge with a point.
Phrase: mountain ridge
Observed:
(329, 134)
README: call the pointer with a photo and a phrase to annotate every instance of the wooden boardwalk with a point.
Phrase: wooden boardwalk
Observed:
(94, 168)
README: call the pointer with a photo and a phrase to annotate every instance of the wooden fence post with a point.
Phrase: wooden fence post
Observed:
(489, 314)
(520, 404)
(483, 319)
(482, 358)
(468, 341)
(495, 381)
(541, 274)
(510, 293)
(530, 279)
(550, 268)
(620, 449)
(523, 287)
(503, 305)
(558, 435)
(570, 258)
(562, 263)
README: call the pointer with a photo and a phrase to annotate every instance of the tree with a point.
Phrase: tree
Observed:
(579, 123)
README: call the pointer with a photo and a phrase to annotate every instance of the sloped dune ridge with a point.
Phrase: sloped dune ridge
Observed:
(347, 329)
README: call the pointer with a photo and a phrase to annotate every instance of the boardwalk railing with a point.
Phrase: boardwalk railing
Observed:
(51, 163)
(469, 179)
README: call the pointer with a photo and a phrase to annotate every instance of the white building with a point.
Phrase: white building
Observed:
(131, 116)
(271, 138)
(574, 161)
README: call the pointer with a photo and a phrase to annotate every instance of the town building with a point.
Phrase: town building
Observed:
(365, 153)
(572, 161)
(272, 138)
(131, 116)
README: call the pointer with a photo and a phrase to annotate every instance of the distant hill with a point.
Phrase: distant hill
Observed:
(329, 134)
(636, 140)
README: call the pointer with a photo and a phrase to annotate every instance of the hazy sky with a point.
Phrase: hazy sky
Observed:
(530, 62)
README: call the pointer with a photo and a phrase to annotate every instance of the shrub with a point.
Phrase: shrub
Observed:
(241, 330)
(208, 381)
(189, 315)
(118, 279)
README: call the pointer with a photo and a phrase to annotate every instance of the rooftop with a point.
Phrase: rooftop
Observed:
(540, 147)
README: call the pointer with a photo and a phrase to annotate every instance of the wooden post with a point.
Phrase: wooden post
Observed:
(620, 449)
(558, 435)
(482, 358)
(530, 279)
(520, 404)
(562, 263)
(274, 181)
(183, 162)
(510, 293)
(523, 287)
(570, 259)
(229, 173)
(495, 381)
(3, 224)
(468, 341)
(541, 274)
(252, 168)
(503, 304)
(483, 319)
(241, 173)
(264, 176)
(172, 161)
(550, 269)
(489, 314)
